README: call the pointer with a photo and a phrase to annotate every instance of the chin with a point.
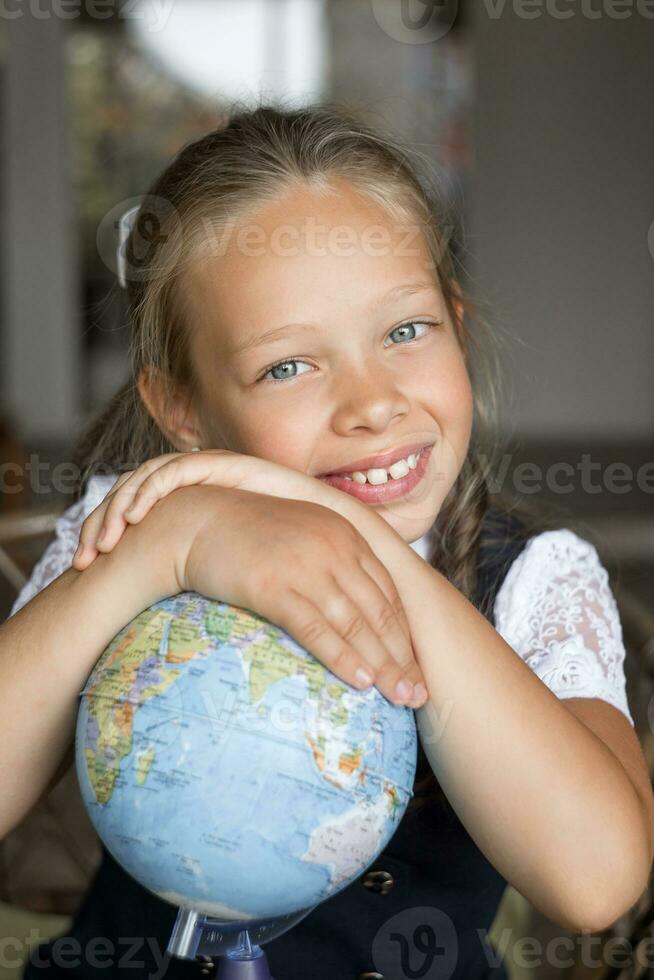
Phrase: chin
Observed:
(409, 526)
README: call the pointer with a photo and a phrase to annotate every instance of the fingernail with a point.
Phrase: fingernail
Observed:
(403, 689)
(364, 676)
(419, 692)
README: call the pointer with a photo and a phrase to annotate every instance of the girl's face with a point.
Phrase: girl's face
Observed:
(312, 284)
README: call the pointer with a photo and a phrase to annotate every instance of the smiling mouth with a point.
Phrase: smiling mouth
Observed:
(376, 475)
(378, 469)
(382, 488)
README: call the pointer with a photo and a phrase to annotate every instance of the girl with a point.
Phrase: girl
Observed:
(301, 435)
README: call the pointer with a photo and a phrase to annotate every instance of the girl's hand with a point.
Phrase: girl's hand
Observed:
(135, 492)
(157, 477)
(307, 569)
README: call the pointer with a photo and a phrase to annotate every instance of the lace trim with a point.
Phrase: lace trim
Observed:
(58, 555)
(555, 608)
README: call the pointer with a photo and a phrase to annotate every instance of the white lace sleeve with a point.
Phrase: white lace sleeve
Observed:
(58, 555)
(555, 608)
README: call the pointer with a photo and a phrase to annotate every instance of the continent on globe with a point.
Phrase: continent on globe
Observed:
(229, 771)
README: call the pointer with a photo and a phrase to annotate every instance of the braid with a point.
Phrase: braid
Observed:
(455, 532)
(454, 545)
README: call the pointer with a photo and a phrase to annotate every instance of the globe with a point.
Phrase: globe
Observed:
(230, 772)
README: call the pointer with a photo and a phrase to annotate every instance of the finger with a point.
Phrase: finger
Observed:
(104, 526)
(391, 621)
(391, 642)
(185, 470)
(123, 496)
(106, 529)
(305, 622)
(378, 571)
(217, 467)
(349, 620)
(115, 522)
(113, 525)
(90, 528)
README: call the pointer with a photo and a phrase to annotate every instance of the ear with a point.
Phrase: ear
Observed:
(172, 410)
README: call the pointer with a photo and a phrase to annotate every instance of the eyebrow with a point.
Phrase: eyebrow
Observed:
(277, 333)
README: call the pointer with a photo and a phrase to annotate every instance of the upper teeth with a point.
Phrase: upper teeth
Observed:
(377, 475)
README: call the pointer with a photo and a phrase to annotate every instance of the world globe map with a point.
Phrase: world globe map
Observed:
(228, 770)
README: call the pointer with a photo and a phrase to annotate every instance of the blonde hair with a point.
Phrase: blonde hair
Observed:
(258, 154)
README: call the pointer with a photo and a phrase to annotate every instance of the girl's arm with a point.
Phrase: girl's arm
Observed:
(555, 794)
(544, 797)
(50, 645)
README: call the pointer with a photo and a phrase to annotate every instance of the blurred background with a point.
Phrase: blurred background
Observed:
(536, 115)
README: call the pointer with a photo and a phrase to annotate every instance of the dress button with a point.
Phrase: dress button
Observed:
(378, 881)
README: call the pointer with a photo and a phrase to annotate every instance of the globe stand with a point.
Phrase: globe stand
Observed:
(199, 936)
(248, 962)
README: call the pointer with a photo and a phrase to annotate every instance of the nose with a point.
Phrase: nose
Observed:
(368, 399)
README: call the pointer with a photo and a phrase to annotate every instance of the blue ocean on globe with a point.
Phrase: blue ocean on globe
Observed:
(229, 771)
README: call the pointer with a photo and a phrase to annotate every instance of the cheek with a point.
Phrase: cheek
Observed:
(448, 390)
(461, 397)
(277, 436)
(453, 410)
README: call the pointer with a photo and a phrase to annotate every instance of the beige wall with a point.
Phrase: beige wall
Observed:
(559, 211)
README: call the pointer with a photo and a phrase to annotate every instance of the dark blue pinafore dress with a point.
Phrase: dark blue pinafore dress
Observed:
(422, 909)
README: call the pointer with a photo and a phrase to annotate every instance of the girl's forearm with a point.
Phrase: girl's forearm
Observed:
(49, 647)
(545, 799)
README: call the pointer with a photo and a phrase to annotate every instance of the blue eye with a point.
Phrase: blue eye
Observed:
(285, 363)
(410, 325)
